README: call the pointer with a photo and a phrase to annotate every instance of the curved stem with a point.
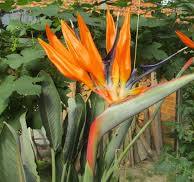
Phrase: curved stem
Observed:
(64, 172)
(165, 60)
(53, 165)
(88, 174)
(137, 34)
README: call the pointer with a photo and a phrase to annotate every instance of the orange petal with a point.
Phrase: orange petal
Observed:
(79, 52)
(64, 66)
(186, 40)
(88, 43)
(110, 31)
(105, 95)
(58, 46)
(115, 73)
(123, 51)
(110, 38)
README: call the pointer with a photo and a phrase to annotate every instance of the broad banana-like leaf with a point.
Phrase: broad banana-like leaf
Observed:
(82, 123)
(11, 167)
(74, 135)
(27, 153)
(72, 174)
(74, 116)
(117, 114)
(116, 142)
(97, 106)
(51, 111)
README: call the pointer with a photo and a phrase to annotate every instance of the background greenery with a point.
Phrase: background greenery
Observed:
(22, 59)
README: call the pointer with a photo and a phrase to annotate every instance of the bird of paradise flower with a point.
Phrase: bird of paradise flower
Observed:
(111, 77)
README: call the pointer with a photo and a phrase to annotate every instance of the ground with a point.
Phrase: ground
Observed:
(143, 172)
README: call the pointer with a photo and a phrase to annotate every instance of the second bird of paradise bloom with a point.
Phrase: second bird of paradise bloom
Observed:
(186, 40)
(80, 60)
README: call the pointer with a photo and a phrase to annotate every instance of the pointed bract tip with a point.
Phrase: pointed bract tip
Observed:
(80, 19)
(62, 22)
(40, 41)
(49, 32)
(78, 15)
(186, 40)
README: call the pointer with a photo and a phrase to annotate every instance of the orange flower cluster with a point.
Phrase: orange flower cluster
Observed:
(80, 59)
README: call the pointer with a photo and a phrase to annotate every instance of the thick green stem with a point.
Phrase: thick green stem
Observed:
(53, 165)
(178, 117)
(88, 174)
(64, 172)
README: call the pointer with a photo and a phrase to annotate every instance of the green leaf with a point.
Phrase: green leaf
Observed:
(7, 5)
(24, 2)
(26, 42)
(81, 125)
(154, 51)
(72, 174)
(27, 153)
(26, 85)
(74, 116)
(41, 24)
(92, 21)
(27, 55)
(35, 120)
(11, 168)
(67, 16)
(6, 89)
(97, 106)
(73, 136)
(116, 142)
(16, 25)
(147, 22)
(182, 178)
(14, 60)
(50, 10)
(51, 111)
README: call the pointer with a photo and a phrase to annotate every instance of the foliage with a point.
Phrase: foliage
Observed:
(179, 165)
(176, 168)
(24, 89)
